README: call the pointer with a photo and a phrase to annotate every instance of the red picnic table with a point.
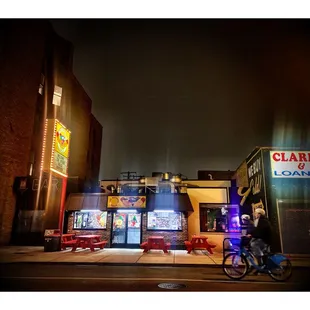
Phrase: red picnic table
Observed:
(89, 241)
(199, 242)
(156, 243)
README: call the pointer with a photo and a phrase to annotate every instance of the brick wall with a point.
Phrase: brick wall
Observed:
(27, 49)
(20, 68)
(94, 151)
(79, 126)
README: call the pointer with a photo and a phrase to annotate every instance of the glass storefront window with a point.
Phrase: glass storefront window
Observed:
(92, 219)
(219, 218)
(164, 220)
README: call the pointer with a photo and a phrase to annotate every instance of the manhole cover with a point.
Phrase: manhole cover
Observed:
(171, 286)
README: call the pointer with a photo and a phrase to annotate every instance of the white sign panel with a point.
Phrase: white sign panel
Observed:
(290, 164)
(60, 163)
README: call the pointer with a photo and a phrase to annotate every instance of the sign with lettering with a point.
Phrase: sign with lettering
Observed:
(60, 163)
(60, 148)
(44, 184)
(126, 202)
(255, 193)
(290, 164)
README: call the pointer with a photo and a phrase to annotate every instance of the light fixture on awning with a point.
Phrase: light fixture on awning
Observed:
(90, 210)
(126, 211)
(171, 211)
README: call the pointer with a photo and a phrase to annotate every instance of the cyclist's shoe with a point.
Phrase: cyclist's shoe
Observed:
(258, 272)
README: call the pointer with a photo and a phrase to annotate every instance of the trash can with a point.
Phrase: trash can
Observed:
(52, 243)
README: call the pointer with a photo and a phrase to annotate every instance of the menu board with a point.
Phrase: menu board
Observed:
(90, 220)
(164, 221)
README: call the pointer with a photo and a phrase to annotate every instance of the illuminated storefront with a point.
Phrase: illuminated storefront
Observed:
(126, 221)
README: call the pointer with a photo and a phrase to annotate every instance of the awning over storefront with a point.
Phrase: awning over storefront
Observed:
(86, 201)
(176, 202)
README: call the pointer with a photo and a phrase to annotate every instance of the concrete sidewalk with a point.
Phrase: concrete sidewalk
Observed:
(17, 254)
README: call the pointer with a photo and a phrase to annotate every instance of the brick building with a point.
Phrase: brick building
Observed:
(94, 152)
(37, 83)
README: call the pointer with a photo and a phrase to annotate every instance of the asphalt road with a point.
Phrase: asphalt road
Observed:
(111, 278)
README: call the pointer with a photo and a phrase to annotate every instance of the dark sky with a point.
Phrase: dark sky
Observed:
(187, 95)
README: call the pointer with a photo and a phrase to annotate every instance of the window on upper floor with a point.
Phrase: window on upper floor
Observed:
(41, 85)
(57, 95)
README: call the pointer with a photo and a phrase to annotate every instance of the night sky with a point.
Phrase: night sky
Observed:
(187, 95)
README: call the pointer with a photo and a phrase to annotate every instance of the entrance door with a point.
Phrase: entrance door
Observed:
(126, 230)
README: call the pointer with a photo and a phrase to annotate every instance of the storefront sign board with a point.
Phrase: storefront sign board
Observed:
(290, 164)
(126, 202)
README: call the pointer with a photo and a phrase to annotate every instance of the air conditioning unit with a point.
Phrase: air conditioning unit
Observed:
(151, 181)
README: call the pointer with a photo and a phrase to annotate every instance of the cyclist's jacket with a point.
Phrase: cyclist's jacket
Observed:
(263, 230)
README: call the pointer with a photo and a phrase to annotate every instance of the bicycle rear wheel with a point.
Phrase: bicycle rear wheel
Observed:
(281, 271)
(235, 266)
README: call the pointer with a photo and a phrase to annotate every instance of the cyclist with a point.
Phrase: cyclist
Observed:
(261, 235)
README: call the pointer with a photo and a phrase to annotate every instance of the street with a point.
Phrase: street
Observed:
(109, 278)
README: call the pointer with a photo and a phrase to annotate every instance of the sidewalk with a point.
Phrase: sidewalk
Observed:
(17, 254)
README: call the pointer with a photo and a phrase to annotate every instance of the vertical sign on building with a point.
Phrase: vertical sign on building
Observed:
(56, 144)
(60, 149)
(255, 194)
(55, 159)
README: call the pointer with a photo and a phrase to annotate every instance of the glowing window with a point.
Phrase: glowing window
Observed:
(90, 220)
(57, 95)
(219, 218)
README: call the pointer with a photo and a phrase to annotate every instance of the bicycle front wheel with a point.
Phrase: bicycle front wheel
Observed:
(235, 266)
(282, 271)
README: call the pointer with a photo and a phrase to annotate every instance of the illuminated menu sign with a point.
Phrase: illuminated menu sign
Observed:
(56, 146)
(60, 149)
(164, 220)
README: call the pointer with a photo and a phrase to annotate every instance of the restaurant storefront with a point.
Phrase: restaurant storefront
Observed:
(127, 221)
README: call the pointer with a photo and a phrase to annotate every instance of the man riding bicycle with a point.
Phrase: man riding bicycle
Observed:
(261, 235)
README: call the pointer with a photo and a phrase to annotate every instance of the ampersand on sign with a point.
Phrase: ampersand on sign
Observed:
(301, 166)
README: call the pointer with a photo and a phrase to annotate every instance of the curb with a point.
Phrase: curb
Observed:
(114, 264)
(126, 264)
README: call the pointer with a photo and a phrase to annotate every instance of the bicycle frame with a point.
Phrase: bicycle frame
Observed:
(249, 257)
(278, 258)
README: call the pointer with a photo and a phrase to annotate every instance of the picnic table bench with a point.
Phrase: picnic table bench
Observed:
(199, 242)
(67, 240)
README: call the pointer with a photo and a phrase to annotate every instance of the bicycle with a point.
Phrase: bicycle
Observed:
(238, 263)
